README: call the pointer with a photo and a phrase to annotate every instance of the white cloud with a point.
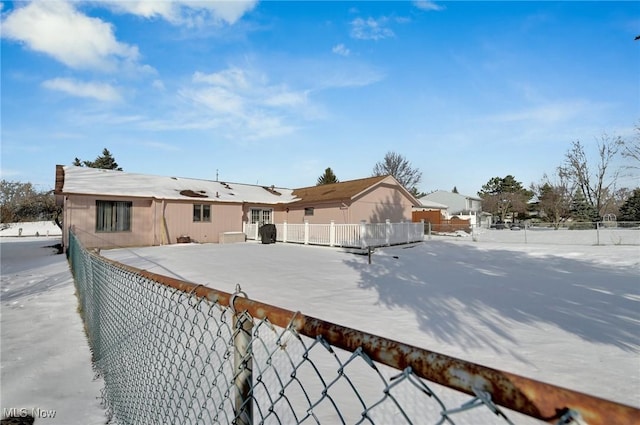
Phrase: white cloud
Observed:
(217, 99)
(243, 103)
(370, 29)
(99, 91)
(284, 97)
(546, 114)
(427, 5)
(232, 78)
(341, 49)
(158, 85)
(186, 12)
(57, 29)
(235, 89)
(356, 75)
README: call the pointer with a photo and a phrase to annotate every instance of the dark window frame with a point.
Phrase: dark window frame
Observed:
(308, 211)
(113, 216)
(202, 213)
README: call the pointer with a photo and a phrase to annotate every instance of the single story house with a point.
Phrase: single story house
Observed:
(108, 208)
(460, 206)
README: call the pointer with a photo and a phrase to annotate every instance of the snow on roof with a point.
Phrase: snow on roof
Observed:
(95, 181)
(426, 203)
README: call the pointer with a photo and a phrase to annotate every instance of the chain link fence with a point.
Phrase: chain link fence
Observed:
(576, 233)
(173, 352)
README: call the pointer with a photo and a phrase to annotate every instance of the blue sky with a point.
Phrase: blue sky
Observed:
(274, 92)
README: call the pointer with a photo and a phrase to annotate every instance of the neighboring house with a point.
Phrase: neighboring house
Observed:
(429, 211)
(373, 199)
(108, 208)
(462, 206)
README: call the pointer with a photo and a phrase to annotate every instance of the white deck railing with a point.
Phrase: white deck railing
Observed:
(361, 235)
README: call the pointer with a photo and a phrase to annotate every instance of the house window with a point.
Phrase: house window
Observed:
(261, 216)
(308, 211)
(201, 212)
(113, 216)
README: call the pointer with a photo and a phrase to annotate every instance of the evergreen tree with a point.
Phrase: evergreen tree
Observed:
(630, 210)
(553, 198)
(582, 211)
(327, 178)
(503, 196)
(105, 162)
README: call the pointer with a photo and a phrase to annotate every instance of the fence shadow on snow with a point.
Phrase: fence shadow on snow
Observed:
(173, 352)
(582, 306)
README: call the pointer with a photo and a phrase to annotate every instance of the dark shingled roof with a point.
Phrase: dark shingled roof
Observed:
(335, 191)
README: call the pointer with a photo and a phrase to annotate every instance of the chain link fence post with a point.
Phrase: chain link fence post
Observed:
(243, 362)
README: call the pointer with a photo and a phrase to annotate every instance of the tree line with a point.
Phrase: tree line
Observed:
(580, 189)
(21, 202)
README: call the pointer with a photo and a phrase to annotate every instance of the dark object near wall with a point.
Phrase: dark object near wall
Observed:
(18, 420)
(268, 233)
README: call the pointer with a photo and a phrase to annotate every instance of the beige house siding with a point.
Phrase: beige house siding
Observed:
(178, 216)
(147, 224)
(80, 210)
(375, 205)
(380, 203)
(322, 213)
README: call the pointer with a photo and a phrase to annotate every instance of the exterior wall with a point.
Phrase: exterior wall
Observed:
(80, 212)
(474, 204)
(147, 225)
(323, 213)
(383, 202)
(178, 215)
(455, 201)
(380, 203)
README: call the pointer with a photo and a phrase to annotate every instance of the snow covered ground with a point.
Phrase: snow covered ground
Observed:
(565, 314)
(44, 357)
(39, 228)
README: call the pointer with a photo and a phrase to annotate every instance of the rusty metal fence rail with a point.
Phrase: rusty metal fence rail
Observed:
(174, 352)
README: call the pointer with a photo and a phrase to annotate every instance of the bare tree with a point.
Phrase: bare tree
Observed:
(22, 202)
(400, 168)
(554, 198)
(595, 182)
(631, 149)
